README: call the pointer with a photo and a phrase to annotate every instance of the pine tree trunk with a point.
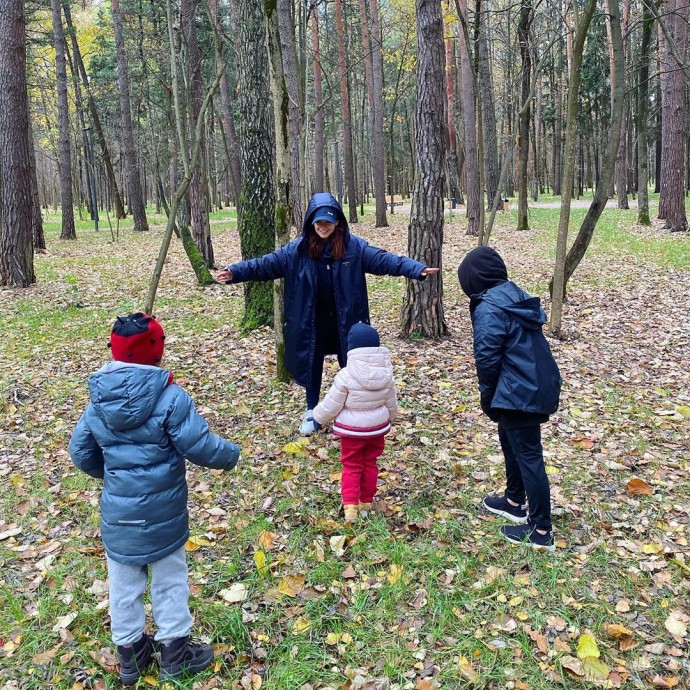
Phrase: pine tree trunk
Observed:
(348, 155)
(295, 105)
(486, 96)
(423, 306)
(318, 103)
(133, 181)
(16, 206)
(673, 115)
(378, 143)
(642, 115)
(284, 193)
(452, 155)
(65, 162)
(470, 118)
(233, 152)
(198, 189)
(524, 28)
(257, 202)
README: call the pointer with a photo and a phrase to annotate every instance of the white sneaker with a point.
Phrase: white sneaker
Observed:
(308, 425)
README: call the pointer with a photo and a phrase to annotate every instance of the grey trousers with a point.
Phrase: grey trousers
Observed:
(169, 599)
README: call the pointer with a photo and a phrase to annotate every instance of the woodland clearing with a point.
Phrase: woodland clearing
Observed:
(425, 594)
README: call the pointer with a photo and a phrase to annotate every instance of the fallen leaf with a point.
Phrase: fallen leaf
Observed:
(235, 593)
(638, 487)
(587, 647)
(291, 585)
(677, 623)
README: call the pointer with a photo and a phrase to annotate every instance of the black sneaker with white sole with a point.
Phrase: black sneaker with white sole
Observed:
(527, 535)
(499, 505)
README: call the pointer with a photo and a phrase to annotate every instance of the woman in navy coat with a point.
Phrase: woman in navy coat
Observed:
(325, 290)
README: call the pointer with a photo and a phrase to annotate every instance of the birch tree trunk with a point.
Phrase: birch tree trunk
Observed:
(69, 231)
(423, 306)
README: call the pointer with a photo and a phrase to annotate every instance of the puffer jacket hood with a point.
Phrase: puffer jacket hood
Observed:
(370, 367)
(321, 200)
(124, 395)
(515, 302)
(481, 269)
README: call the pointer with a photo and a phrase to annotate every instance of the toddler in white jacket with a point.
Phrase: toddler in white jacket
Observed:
(362, 404)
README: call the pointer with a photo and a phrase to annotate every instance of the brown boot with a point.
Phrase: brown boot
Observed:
(365, 509)
(350, 512)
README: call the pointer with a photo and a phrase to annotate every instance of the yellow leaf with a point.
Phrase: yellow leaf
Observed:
(652, 548)
(260, 560)
(266, 540)
(151, 680)
(550, 469)
(291, 585)
(332, 638)
(235, 593)
(346, 638)
(521, 615)
(615, 630)
(395, 573)
(301, 625)
(295, 447)
(587, 646)
(683, 410)
(467, 670)
(241, 408)
(195, 543)
(595, 669)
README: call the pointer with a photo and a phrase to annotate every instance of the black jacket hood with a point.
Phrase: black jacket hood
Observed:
(481, 269)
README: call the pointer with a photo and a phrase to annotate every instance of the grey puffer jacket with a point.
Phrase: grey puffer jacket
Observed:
(135, 435)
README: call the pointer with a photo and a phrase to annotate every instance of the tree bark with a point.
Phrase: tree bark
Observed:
(524, 29)
(256, 222)
(642, 115)
(318, 103)
(452, 156)
(582, 22)
(486, 96)
(295, 105)
(423, 306)
(69, 231)
(134, 190)
(198, 189)
(673, 115)
(16, 241)
(470, 118)
(348, 155)
(284, 193)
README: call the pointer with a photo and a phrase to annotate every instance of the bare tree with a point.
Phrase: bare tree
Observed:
(423, 306)
(65, 165)
(16, 242)
(642, 115)
(135, 195)
(318, 99)
(524, 39)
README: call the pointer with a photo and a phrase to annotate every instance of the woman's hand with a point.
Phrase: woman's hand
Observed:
(225, 276)
(429, 271)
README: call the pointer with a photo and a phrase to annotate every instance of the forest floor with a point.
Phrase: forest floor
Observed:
(425, 593)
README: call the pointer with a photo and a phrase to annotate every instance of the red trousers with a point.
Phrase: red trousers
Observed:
(360, 471)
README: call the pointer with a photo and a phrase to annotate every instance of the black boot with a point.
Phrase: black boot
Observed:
(182, 656)
(134, 659)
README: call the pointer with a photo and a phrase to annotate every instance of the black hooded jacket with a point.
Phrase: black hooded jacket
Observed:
(515, 367)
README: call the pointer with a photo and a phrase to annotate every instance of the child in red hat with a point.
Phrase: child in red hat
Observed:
(135, 435)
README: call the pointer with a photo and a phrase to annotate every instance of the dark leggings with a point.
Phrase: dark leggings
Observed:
(324, 345)
(525, 472)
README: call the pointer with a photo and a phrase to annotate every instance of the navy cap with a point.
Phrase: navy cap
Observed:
(325, 213)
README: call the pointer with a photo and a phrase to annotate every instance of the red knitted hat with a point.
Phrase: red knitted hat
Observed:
(137, 338)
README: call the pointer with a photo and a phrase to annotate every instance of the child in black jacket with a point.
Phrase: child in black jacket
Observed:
(519, 385)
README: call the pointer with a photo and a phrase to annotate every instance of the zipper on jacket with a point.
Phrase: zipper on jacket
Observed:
(131, 522)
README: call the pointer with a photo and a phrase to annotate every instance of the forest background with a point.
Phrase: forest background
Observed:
(125, 126)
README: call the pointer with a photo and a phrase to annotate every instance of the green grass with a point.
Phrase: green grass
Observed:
(425, 588)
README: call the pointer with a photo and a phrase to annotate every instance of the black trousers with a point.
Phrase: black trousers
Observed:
(327, 343)
(525, 472)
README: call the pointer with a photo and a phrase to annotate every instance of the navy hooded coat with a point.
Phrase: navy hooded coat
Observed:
(293, 263)
(515, 367)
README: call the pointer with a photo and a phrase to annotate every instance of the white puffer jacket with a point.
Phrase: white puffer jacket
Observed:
(362, 400)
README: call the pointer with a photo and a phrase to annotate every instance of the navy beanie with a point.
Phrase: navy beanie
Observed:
(362, 335)
(481, 269)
